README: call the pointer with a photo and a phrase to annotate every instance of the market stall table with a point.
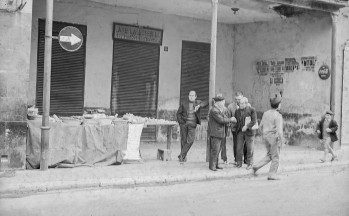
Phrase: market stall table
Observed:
(164, 154)
(95, 142)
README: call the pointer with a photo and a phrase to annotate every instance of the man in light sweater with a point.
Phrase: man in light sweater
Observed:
(272, 131)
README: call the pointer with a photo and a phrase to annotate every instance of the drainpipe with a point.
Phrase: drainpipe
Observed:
(345, 67)
(336, 108)
(333, 62)
(212, 85)
(45, 128)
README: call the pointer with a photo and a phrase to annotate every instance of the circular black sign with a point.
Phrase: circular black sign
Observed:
(70, 38)
(324, 72)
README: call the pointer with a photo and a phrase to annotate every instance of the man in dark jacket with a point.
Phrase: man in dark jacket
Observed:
(326, 130)
(188, 117)
(245, 133)
(217, 129)
(231, 112)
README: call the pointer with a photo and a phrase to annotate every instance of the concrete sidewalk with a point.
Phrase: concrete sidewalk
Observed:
(152, 171)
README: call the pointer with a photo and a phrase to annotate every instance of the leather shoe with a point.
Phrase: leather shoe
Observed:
(334, 157)
(218, 167)
(181, 160)
(213, 169)
(274, 177)
(254, 171)
(238, 165)
(249, 167)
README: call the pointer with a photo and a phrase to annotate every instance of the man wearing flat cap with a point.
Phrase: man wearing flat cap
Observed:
(326, 130)
(272, 132)
(217, 129)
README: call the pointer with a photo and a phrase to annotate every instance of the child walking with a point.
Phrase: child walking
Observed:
(326, 130)
(272, 132)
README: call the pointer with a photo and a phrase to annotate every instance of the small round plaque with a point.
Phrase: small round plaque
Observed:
(324, 72)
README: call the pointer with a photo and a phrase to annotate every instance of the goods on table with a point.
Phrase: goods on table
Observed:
(138, 120)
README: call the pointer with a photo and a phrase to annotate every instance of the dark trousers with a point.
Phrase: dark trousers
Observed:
(235, 144)
(215, 147)
(187, 138)
(224, 149)
(248, 141)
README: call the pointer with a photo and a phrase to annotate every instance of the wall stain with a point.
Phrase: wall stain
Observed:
(299, 129)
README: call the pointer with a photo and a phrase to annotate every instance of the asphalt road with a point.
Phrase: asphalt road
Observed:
(311, 193)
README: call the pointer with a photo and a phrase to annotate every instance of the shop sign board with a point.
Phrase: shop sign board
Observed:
(137, 33)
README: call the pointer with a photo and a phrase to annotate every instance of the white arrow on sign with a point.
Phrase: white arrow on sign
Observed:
(72, 39)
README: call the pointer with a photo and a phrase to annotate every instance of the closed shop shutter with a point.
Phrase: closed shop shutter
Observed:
(67, 73)
(195, 71)
(135, 81)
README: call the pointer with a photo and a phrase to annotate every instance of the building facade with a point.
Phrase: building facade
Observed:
(142, 59)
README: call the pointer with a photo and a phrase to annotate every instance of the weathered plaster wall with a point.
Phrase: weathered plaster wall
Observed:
(305, 95)
(343, 69)
(99, 20)
(14, 78)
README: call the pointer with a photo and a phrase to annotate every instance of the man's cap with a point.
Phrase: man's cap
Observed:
(218, 98)
(329, 112)
(275, 100)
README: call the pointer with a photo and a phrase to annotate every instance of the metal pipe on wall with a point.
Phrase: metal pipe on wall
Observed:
(45, 128)
(333, 62)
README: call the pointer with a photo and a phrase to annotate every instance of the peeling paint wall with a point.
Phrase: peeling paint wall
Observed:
(14, 78)
(305, 95)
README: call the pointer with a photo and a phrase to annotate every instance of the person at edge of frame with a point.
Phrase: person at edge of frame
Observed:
(217, 129)
(188, 117)
(326, 130)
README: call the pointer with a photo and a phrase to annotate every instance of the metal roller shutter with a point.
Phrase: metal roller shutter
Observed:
(195, 71)
(67, 73)
(135, 81)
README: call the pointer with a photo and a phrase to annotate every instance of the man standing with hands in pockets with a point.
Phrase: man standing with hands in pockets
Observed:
(188, 117)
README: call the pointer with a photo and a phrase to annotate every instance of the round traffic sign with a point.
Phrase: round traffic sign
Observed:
(70, 38)
(324, 72)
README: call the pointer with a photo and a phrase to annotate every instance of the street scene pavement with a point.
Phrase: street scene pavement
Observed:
(151, 171)
(322, 192)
